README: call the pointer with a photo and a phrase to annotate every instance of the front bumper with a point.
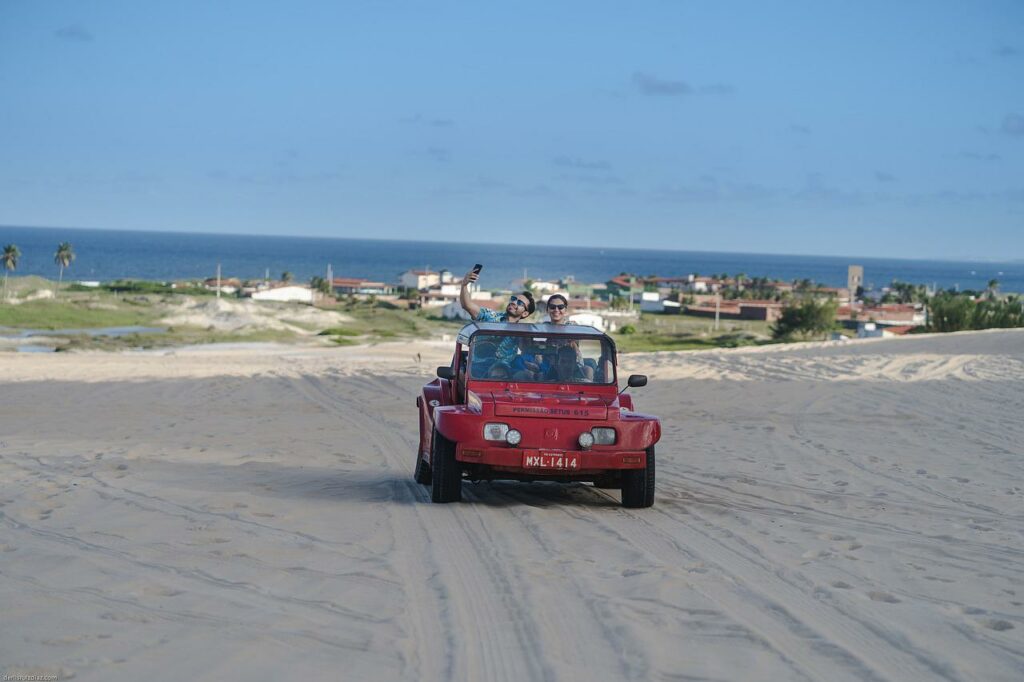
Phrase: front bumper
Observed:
(586, 462)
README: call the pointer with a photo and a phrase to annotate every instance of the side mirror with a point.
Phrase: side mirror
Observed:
(636, 380)
(445, 372)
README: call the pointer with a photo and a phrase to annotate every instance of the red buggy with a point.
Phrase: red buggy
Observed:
(534, 402)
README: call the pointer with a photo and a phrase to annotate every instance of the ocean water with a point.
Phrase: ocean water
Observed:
(107, 254)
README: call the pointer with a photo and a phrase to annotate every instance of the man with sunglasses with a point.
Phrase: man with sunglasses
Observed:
(520, 306)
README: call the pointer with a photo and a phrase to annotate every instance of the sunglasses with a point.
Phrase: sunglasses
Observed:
(515, 300)
(556, 306)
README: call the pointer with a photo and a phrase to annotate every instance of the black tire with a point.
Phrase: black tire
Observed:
(446, 474)
(638, 484)
(422, 474)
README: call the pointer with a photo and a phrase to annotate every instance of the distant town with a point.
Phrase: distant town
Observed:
(609, 305)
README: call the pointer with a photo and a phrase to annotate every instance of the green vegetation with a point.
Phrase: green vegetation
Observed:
(757, 288)
(950, 312)
(75, 313)
(805, 319)
(903, 292)
(174, 337)
(320, 285)
(380, 321)
(141, 286)
(9, 258)
(63, 257)
(657, 332)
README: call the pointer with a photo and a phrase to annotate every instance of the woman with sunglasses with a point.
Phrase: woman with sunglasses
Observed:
(558, 313)
(558, 309)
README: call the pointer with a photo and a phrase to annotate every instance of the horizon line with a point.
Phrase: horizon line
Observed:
(573, 246)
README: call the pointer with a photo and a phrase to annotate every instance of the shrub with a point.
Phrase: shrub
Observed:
(627, 329)
(948, 312)
(805, 318)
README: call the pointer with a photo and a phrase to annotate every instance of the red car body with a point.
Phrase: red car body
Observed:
(462, 411)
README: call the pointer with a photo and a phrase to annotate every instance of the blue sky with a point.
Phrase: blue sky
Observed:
(868, 128)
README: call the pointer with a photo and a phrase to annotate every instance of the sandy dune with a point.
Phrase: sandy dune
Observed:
(824, 513)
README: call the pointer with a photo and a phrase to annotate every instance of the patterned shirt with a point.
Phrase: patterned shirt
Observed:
(488, 315)
(508, 349)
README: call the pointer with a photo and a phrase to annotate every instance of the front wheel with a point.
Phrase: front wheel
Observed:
(638, 484)
(422, 472)
(446, 472)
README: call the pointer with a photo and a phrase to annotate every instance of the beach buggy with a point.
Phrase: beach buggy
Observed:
(534, 402)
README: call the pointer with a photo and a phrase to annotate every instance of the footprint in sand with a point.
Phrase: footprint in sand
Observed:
(883, 597)
(123, 617)
(997, 624)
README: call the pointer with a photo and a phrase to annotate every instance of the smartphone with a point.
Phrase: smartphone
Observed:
(477, 268)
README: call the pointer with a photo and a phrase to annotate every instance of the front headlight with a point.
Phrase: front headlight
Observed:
(603, 435)
(586, 440)
(494, 431)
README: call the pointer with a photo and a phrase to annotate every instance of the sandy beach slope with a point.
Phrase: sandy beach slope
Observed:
(824, 513)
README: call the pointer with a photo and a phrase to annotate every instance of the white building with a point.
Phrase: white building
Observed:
(442, 294)
(871, 330)
(285, 294)
(419, 279)
(650, 302)
(589, 319)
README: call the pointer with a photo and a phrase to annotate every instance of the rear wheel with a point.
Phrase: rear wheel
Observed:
(422, 473)
(638, 484)
(446, 472)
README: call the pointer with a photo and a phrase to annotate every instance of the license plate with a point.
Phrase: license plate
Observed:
(563, 461)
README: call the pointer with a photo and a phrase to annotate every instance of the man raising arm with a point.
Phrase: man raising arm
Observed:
(464, 296)
(520, 306)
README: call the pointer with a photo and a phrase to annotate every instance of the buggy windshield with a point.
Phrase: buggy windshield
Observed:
(541, 359)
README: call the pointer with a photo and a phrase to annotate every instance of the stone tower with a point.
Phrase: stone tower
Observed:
(854, 278)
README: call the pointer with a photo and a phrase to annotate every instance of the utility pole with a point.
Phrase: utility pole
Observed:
(218, 280)
(718, 305)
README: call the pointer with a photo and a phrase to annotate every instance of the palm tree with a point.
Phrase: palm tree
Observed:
(63, 257)
(10, 260)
